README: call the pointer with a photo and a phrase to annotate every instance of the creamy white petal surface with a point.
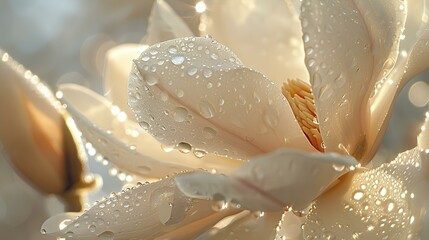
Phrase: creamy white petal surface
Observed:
(206, 99)
(251, 226)
(339, 60)
(387, 202)
(285, 178)
(144, 212)
(117, 68)
(165, 24)
(423, 138)
(125, 143)
(266, 35)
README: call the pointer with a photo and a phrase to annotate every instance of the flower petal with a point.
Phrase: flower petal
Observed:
(411, 61)
(165, 24)
(266, 35)
(423, 138)
(251, 226)
(145, 211)
(271, 182)
(195, 93)
(124, 143)
(117, 68)
(349, 46)
(387, 202)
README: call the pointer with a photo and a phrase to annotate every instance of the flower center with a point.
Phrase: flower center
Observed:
(300, 98)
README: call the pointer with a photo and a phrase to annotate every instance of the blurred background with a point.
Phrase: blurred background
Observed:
(65, 41)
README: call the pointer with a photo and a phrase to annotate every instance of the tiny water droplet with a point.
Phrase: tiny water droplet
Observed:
(338, 167)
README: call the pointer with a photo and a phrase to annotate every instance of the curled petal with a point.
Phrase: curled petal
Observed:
(350, 45)
(272, 46)
(195, 93)
(165, 24)
(273, 181)
(387, 202)
(123, 142)
(144, 212)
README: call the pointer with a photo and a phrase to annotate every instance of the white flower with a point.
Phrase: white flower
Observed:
(195, 95)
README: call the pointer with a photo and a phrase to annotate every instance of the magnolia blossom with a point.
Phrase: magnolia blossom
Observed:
(247, 149)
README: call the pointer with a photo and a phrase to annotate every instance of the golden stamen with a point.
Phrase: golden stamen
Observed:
(300, 98)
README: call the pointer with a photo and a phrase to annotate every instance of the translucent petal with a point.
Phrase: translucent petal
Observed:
(290, 227)
(387, 202)
(144, 212)
(251, 226)
(117, 67)
(125, 144)
(423, 139)
(278, 180)
(165, 24)
(195, 93)
(338, 58)
(266, 35)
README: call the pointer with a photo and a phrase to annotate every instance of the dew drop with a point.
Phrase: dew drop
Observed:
(338, 167)
(206, 109)
(172, 49)
(184, 147)
(151, 79)
(192, 71)
(177, 59)
(92, 228)
(207, 73)
(180, 114)
(200, 153)
(107, 235)
(218, 202)
(209, 133)
(144, 125)
(358, 195)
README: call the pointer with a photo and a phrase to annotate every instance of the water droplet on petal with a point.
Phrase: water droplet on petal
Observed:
(218, 202)
(177, 59)
(180, 114)
(107, 235)
(184, 147)
(206, 109)
(338, 167)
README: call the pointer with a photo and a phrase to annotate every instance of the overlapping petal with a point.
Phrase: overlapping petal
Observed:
(286, 178)
(251, 226)
(124, 143)
(117, 68)
(206, 99)
(349, 46)
(165, 24)
(146, 211)
(274, 49)
(387, 202)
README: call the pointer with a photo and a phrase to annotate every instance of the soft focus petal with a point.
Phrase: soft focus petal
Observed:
(117, 67)
(143, 212)
(249, 226)
(387, 202)
(195, 93)
(266, 35)
(124, 143)
(285, 178)
(165, 24)
(423, 139)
